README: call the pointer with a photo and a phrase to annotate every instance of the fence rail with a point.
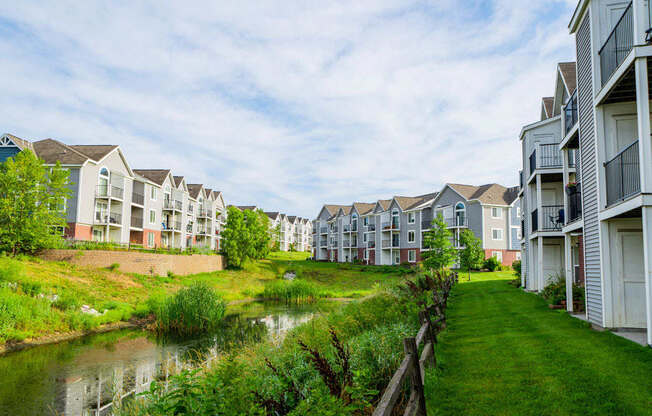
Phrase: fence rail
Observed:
(413, 366)
(623, 175)
(618, 45)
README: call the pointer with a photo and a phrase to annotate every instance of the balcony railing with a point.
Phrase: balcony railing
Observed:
(354, 243)
(570, 113)
(108, 218)
(371, 244)
(552, 217)
(574, 204)
(206, 213)
(386, 244)
(323, 230)
(573, 155)
(323, 243)
(136, 222)
(426, 224)
(109, 191)
(551, 156)
(618, 45)
(458, 221)
(390, 225)
(623, 175)
(371, 227)
(534, 220)
(346, 243)
(137, 198)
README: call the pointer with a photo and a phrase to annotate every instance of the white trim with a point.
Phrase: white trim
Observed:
(501, 234)
(410, 253)
(150, 216)
(414, 236)
(500, 213)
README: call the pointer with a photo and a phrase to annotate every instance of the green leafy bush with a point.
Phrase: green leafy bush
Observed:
(192, 310)
(516, 265)
(492, 264)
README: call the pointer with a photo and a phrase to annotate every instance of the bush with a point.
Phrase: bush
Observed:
(516, 265)
(492, 264)
(191, 310)
(114, 267)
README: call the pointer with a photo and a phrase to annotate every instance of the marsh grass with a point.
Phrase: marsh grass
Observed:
(193, 310)
(292, 291)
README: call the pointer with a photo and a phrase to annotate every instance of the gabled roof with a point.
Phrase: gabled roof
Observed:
(155, 175)
(51, 151)
(547, 104)
(209, 193)
(272, 215)
(493, 193)
(194, 189)
(384, 203)
(22, 144)
(363, 208)
(292, 218)
(407, 202)
(177, 180)
(569, 73)
(333, 209)
(94, 151)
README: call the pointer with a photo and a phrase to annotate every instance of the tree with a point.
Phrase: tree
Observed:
(258, 227)
(235, 238)
(32, 203)
(472, 255)
(441, 253)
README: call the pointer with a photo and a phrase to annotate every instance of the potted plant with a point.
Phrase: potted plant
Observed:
(571, 188)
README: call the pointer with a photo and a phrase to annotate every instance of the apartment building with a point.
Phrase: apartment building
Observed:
(390, 231)
(600, 123)
(111, 202)
(549, 192)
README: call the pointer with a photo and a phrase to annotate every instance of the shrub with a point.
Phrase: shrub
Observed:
(516, 265)
(67, 302)
(555, 291)
(492, 264)
(191, 310)
(114, 267)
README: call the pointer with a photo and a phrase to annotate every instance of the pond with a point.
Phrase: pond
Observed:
(82, 377)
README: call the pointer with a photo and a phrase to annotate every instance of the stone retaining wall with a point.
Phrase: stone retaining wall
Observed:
(137, 262)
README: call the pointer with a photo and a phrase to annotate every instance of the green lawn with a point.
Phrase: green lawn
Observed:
(506, 353)
(23, 282)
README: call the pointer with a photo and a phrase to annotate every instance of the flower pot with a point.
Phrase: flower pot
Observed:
(570, 190)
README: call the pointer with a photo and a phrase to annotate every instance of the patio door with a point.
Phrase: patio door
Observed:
(552, 261)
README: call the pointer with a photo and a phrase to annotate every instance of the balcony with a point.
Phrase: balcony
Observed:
(617, 46)
(574, 204)
(103, 217)
(346, 228)
(426, 224)
(570, 113)
(109, 191)
(552, 217)
(189, 228)
(390, 225)
(136, 221)
(573, 155)
(323, 230)
(205, 213)
(533, 161)
(458, 221)
(354, 244)
(137, 198)
(323, 243)
(534, 216)
(172, 205)
(550, 156)
(172, 226)
(346, 243)
(623, 175)
(386, 244)
(371, 227)
(371, 244)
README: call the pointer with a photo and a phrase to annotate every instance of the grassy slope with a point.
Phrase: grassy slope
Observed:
(125, 294)
(506, 353)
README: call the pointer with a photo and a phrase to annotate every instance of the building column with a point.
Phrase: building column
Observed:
(539, 264)
(568, 251)
(647, 259)
(643, 112)
(539, 205)
(565, 176)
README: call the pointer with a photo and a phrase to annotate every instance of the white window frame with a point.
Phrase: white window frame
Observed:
(501, 234)
(151, 239)
(365, 221)
(152, 211)
(499, 211)
(364, 237)
(518, 255)
(412, 256)
(412, 217)
(152, 193)
(366, 254)
(498, 255)
(414, 236)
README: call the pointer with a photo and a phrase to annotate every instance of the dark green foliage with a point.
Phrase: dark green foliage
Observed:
(114, 267)
(555, 291)
(246, 236)
(192, 310)
(32, 210)
(516, 265)
(492, 264)
(471, 255)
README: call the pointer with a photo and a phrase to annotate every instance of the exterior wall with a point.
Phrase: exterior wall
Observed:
(71, 203)
(7, 152)
(136, 262)
(78, 231)
(491, 223)
(509, 256)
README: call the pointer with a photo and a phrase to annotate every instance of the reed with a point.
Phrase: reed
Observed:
(292, 291)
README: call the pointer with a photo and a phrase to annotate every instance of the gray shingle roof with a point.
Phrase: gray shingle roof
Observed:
(155, 175)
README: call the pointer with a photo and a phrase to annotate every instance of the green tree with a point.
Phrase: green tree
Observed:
(32, 203)
(472, 255)
(276, 237)
(258, 228)
(441, 253)
(235, 238)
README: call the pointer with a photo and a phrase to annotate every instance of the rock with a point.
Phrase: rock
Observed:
(53, 298)
(289, 276)
(87, 309)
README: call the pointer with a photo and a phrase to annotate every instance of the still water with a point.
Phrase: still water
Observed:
(82, 377)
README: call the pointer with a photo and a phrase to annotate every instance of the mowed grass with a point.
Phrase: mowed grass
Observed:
(506, 353)
(25, 314)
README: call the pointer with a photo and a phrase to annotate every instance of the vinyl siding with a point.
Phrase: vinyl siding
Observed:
(589, 177)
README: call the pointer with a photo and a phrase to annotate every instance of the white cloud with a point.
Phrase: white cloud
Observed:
(289, 105)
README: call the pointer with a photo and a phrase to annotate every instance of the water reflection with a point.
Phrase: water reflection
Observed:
(83, 377)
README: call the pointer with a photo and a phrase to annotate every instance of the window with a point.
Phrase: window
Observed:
(364, 237)
(365, 221)
(519, 235)
(411, 218)
(518, 212)
(496, 213)
(152, 193)
(97, 235)
(411, 236)
(366, 254)
(460, 214)
(152, 216)
(496, 234)
(397, 258)
(518, 255)
(412, 256)
(150, 239)
(498, 255)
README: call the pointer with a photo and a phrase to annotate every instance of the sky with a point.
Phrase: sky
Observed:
(288, 105)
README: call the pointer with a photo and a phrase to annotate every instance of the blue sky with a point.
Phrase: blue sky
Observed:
(288, 105)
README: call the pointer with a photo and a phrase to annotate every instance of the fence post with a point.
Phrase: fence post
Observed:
(410, 348)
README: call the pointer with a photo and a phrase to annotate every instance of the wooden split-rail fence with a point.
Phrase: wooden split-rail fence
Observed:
(413, 366)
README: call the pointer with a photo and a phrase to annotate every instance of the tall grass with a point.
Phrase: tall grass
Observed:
(192, 310)
(292, 291)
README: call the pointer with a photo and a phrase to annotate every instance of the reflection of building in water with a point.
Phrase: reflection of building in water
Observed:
(279, 324)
